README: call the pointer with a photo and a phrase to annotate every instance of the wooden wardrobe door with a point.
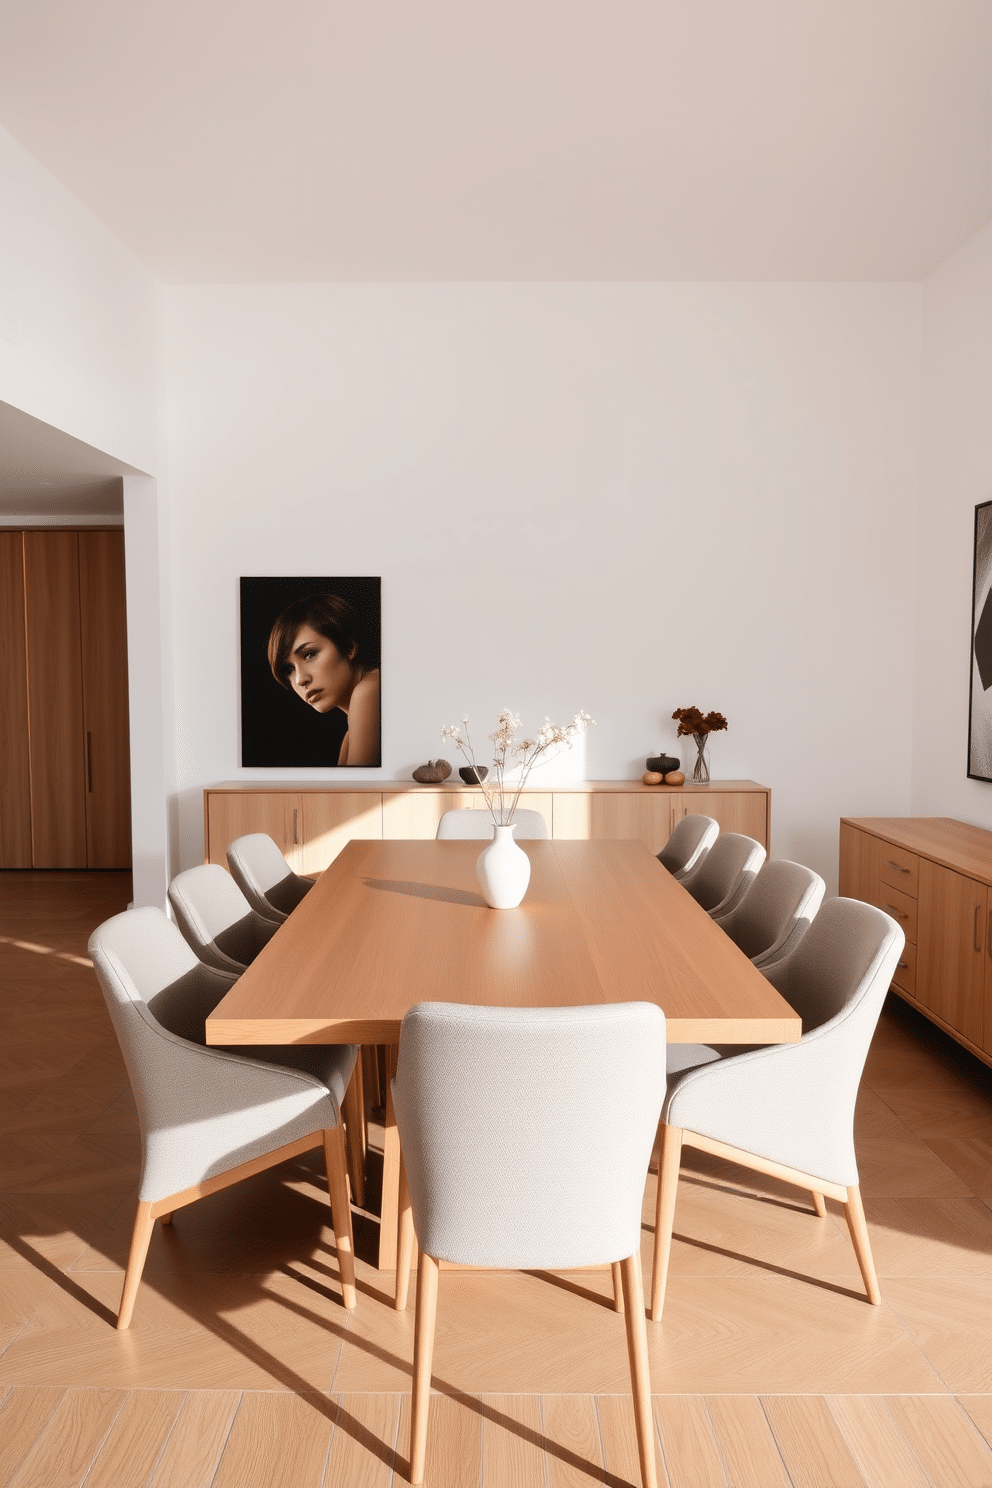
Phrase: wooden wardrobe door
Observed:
(103, 630)
(55, 699)
(15, 776)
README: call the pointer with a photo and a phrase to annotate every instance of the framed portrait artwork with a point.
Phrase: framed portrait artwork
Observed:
(310, 653)
(980, 696)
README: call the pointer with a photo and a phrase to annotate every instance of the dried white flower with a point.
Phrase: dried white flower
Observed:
(551, 738)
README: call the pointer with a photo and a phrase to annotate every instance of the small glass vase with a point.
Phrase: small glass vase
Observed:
(701, 769)
(503, 870)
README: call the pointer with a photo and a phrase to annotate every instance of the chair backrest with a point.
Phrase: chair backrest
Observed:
(794, 1103)
(478, 825)
(216, 918)
(726, 873)
(264, 877)
(688, 845)
(841, 966)
(776, 911)
(526, 1132)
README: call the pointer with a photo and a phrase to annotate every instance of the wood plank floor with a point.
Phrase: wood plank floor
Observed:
(242, 1368)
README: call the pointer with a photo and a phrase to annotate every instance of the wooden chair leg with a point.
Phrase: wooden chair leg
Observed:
(423, 1355)
(640, 1377)
(337, 1185)
(618, 1302)
(819, 1203)
(404, 1241)
(144, 1223)
(669, 1162)
(855, 1215)
(354, 1118)
(371, 1075)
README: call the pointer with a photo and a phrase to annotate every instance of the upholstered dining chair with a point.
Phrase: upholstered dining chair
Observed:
(209, 1117)
(264, 877)
(787, 1110)
(721, 879)
(225, 932)
(216, 918)
(526, 1135)
(775, 913)
(478, 825)
(689, 843)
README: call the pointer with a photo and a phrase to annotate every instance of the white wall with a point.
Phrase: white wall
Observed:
(624, 498)
(956, 475)
(77, 317)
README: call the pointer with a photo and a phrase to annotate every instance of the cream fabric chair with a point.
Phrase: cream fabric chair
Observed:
(264, 877)
(721, 879)
(216, 918)
(210, 1117)
(688, 845)
(526, 1135)
(787, 1110)
(775, 913)
(478, 825)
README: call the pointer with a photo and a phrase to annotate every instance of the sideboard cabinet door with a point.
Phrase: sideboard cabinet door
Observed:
(233, 814)
(332, 818)
(953, 935)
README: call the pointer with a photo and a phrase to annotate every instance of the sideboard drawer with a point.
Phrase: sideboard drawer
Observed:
(901, 907)
(899, 869)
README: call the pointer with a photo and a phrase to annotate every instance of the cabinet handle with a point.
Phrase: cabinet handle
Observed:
(897, 866)
(978, 943)
(89, 763)
(296, 826)
(899, 913)
(902, 965)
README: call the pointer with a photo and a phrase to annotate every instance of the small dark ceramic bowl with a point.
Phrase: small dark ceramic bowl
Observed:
(664, 763)
(473, 774)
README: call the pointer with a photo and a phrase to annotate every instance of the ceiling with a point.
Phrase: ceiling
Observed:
(46, 474)
(310, 140)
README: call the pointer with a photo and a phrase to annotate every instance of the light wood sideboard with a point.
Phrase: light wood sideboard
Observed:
(312, 822)
(933, 875)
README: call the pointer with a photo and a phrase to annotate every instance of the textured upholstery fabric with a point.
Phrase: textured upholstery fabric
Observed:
(775, 913)
(478, 825)
(794, 1103)
(688, 845)
(201, 1111)
(216, 918)
(720, 881)
(526, 1132)
(264, 877)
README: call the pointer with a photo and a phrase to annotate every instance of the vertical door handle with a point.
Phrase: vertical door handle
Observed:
(296, 826)
(89, 762)
(978, 942)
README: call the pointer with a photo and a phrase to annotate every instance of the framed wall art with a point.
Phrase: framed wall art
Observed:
(310, 652)
(980, 694)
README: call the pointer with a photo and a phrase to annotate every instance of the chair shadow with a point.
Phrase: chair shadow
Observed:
(426, 891)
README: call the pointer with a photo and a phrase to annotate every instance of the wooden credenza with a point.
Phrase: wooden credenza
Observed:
(933, 875)
(312, 822)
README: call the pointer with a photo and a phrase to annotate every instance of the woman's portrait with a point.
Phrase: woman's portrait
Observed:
(310, 672)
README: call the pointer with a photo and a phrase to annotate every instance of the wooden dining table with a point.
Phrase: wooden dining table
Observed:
(391, 924)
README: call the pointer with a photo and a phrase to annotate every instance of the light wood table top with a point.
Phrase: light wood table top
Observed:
(390, 924)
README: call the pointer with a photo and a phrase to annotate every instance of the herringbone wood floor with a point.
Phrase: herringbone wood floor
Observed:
(241, 1367)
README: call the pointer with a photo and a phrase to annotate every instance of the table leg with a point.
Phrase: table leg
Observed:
(390, 1172)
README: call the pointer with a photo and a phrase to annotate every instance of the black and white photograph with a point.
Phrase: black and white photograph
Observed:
(310, 651)
(980, 704)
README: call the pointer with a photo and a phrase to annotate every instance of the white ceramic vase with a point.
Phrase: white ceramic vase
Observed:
(503, 870)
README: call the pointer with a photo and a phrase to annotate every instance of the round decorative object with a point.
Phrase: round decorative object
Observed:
(473, 774)
(432, 773)
(651, 777)
(663, 764)
(675, 777)
(503, 870)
